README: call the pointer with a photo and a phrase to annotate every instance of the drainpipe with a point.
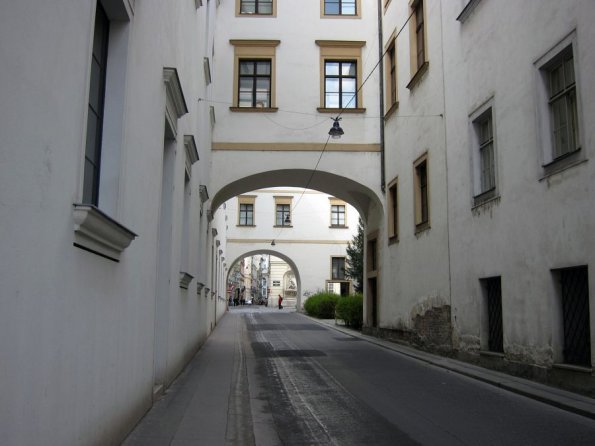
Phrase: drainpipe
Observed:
(381, 80)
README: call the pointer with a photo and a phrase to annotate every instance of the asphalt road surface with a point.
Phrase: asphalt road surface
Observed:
(294, 382)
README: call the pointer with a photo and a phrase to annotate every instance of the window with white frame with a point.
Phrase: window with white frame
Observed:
(484, 154)
(558, 108)
(562, 104)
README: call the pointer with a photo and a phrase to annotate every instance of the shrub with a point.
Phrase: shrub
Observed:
(351, 310)
(321, 305)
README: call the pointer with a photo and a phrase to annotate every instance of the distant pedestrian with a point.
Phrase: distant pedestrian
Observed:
(280, 302)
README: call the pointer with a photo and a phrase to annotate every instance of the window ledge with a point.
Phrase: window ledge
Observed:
(338, 227)
(485, 198)
(573, 368)
(185, 279)
(393, 240)
(393, 108)
(261, 16)
(418, 75)
(254, 109)
(340, 16)
(467, 10)
(562, 163)
(96, 232)
(283, 226)
(340, 110)
(422, 227)
(246, 226)
(199, 287)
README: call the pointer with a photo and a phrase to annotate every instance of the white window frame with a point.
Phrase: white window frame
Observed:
(478, 116)
(550, 163)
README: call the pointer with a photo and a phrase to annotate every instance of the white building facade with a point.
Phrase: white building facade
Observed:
(306, 229)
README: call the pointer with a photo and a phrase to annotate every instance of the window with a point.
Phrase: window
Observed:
(258, 7)
(283, 215)
(341, 7)
(340, 76)
(254, 75)
(255, 84)
(483, 154)
(391, 76)
(246, 210)
(393, 211)
(96, 230)
(417, 42)
(283, 211)
(559, 107)
(562, 104)
(246, 214)
(422, 209)
(492, 332)
(96, 108)
(338, 268)
(573, 289)
(338, 214)
(340, 79)
(419, 33)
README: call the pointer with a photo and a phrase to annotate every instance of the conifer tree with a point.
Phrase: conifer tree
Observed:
(354, 268)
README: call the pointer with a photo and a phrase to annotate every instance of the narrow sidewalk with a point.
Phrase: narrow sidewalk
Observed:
(562, 399)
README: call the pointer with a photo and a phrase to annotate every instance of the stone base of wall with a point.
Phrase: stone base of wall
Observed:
(432, 331)
(432, 337)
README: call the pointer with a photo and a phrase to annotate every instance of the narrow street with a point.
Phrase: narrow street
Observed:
(270, 377)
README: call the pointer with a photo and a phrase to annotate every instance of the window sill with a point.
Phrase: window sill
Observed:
(422, 227)
(573, 368)
(341, 110)
(98, 233)
(562, 163)
(338, 227)
(283, 226)
(185, 279)
(261, 16)
(485, 197)
(393, 240)
(418, 75)
(245, 226)
(393, 108)
(254, 109)
(340, 16)
(467, 10)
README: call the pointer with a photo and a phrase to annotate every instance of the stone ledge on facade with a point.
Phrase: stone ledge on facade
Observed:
(185, 279)
(97, 232)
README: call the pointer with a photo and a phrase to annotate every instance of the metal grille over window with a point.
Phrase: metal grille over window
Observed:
(494, 301)
(340, 84)
(255, 84)
(575, 311)
(340, 7)
(562, 101)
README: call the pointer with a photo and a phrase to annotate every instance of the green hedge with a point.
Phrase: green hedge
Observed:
(321, 305)
(351, 310)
